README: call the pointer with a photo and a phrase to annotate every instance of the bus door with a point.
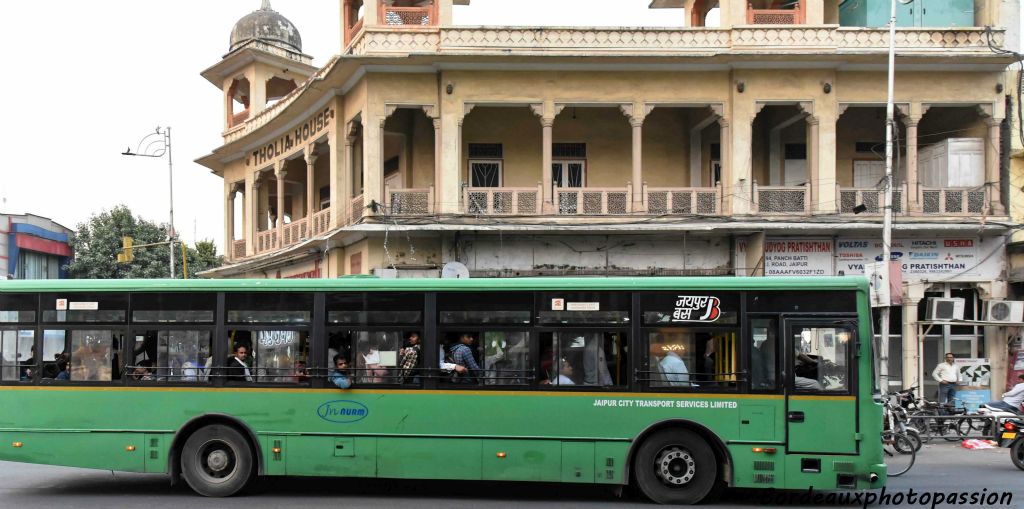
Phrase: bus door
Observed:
(821, 401)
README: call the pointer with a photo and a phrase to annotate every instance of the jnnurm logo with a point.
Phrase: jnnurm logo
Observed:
(342, 411)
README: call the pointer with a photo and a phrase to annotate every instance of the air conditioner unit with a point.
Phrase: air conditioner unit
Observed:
(1010, 311)
(944, 310)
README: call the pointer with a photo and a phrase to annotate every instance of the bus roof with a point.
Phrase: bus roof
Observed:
(432, 284)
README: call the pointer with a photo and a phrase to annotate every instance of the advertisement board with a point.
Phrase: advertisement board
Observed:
(798, 257)
(923, 258)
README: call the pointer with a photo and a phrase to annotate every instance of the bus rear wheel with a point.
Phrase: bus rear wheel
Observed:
(675, 467)
(217, 461)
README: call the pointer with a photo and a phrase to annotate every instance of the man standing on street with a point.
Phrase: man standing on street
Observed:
(947, 375)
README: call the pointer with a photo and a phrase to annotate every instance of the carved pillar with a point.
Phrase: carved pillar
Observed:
(280, 173)
(992, 163)
(252, 212)
(311, 200)
(911, 344)
(547, 129)
(229, 222)
(636, 113)
(813, 163)
(438, 182)
(913, 185)
(725, 160)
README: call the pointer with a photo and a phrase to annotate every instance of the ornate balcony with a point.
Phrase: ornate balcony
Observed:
(953, 201)
(781, 200)
(503, 201)
(792, 16)
(705, 201)
(873, 200)
(409, 202)
(571, 201)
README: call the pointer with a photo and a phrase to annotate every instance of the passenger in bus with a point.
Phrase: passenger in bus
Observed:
(91, 360)
(339, 375)
(368, 362)
(762, 362)
(238, 365)
(565, 373)
(144, 371)
(300, 374)
(62, 370)
(409, 358)
(669, 366)
(595, 366)
(462, 355)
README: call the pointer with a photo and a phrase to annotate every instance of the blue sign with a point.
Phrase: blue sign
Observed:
(342, 412)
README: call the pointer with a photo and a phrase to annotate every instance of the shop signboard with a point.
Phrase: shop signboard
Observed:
(798, 257)
(924, 258)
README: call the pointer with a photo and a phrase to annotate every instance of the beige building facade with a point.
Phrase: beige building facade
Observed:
(750, 148)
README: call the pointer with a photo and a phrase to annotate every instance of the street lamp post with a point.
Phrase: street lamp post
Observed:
(158, 144)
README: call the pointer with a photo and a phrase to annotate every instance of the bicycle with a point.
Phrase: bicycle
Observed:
(899, 453)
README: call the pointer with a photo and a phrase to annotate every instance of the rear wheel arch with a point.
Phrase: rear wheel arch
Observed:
(725, 463)
(196, 423)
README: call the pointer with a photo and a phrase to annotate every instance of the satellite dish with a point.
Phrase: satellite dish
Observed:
(454, 270)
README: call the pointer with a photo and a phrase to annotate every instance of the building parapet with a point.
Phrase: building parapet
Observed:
(665, 41)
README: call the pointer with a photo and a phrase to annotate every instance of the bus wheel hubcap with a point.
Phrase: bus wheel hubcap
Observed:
(675, 466)
(217, 460)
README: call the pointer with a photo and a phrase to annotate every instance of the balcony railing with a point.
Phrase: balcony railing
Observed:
(594, 201)
(792, 16)
(321, 222)
(357, 209)
(873, 200)
(503, 201)
(409, 202)
(683, 200)
(781, 200)
(953, 201)
(238, 249)
(266, 241)
(398, 16)
(295, 231)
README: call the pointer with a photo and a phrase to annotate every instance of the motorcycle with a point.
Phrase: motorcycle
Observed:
(1012, 436)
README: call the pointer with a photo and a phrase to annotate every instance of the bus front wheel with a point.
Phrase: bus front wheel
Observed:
(217, 461)
(675, 467)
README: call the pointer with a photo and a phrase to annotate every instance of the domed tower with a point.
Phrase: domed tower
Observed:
(264, 64)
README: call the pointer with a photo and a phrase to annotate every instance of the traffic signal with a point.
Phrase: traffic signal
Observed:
(126, 255)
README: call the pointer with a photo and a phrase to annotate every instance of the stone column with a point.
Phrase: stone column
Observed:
(344, 206)
(449, 173)
(813, 163)
(373, 164)
(637, 123)
(725, 159)
(280, 173)
(311, 200)
(547, 129)
(438, 146)
(992, 163)
(252, 212)
(229, 222)
(913, 185)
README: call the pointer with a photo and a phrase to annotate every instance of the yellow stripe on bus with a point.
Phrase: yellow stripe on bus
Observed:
(646, 395)
(823, 398)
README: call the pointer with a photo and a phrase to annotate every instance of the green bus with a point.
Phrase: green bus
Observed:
(676, 385)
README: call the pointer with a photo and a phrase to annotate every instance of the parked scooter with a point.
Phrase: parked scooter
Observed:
(1012, 436)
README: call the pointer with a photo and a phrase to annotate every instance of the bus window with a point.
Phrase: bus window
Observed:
(378, 357)
(820, 358)
(584, 308)
(506, 358)
(375, 308)
(81, 355)
(763, 348)
(18, 308)
(582, 358)
(17, 355)
(174, 307)
(683, 358)
(271, 356)
(460, 357)
(485, 308)
(269, 307)
(85, 308)
(177, 356)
